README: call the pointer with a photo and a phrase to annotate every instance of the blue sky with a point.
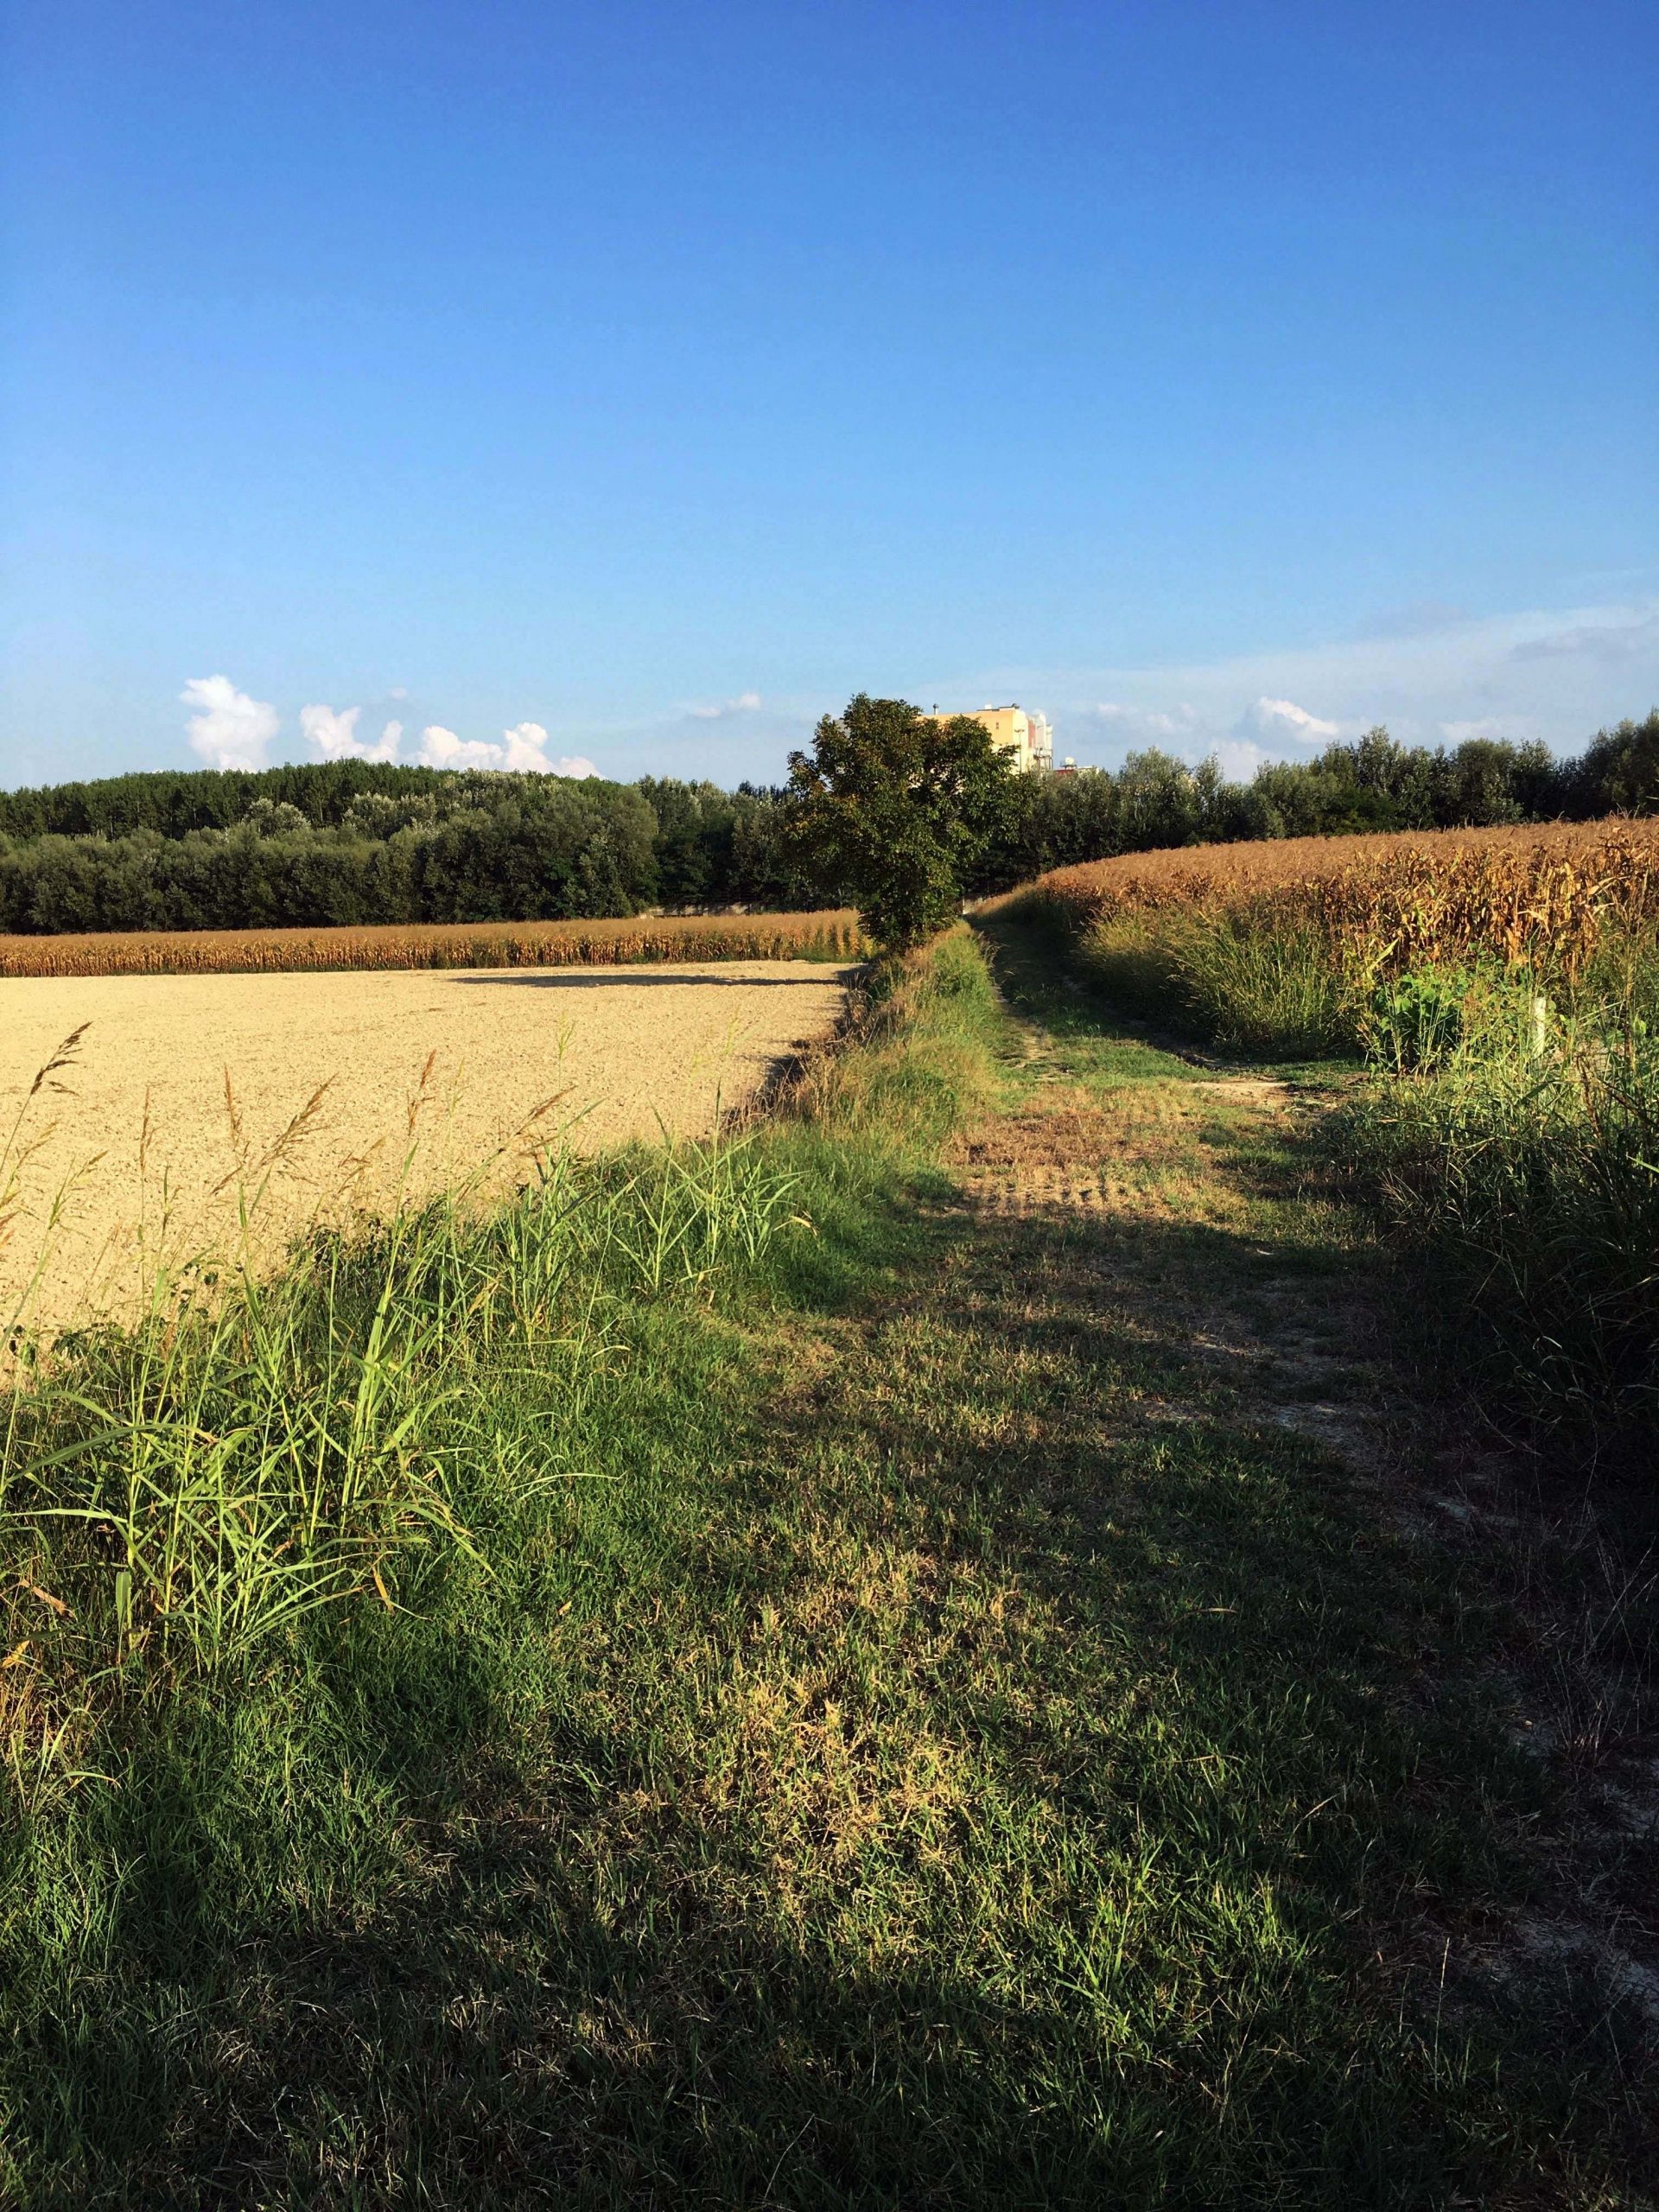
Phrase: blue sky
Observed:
(628, 383)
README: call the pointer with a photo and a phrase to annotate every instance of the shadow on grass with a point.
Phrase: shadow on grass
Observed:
(1035, 966)
(662, 1907)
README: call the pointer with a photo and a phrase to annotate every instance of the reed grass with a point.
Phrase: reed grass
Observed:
(1246, 987)
(187, 1489)
(1511, 1133)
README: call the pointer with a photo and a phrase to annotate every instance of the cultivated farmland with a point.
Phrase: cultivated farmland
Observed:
(1521, 893)
(832, 935)
(188, 1098)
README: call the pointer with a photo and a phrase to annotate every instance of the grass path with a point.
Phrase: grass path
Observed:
(988, 1747)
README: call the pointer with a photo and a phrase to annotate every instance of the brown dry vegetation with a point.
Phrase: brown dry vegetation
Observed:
(832, 935)
(1400, 897)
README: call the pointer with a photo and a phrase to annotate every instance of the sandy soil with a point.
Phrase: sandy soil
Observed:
(136, 1145)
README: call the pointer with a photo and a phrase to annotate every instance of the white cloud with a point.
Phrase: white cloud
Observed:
(336, 735)
(1278, 719)
(1181, 729)
(1262, 732)
(746, 702)
(441, 748)
(1558, 674)
(523, 751)
(231, 730)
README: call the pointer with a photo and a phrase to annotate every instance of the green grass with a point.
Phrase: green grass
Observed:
(903, 1727)
(1520, 1157)
(1269, 992)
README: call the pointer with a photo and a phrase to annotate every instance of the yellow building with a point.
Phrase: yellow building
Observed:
(1026, 738)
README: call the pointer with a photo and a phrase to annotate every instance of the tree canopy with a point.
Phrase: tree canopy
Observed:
(901, 809)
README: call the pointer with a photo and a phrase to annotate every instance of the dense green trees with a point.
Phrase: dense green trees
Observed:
(354, 841)
(1617, 772)
(173, 802)
(730, 849)
(308, 848)
(1373, 783)
(523, 848)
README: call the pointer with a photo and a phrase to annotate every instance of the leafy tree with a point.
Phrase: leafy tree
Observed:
(1157, 802)
(1229, 813)
(900, 809)
(1063, 819)
(1619, 772)
(694, 826)
(275, 817)
(768, 867)
(1483, 783)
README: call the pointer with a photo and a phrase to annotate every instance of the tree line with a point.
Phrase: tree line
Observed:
(359, 841)
(355, 843)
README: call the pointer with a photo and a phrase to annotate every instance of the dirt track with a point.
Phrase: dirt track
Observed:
(618, 1049)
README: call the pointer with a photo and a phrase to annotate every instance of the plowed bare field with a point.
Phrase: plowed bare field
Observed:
(187, 1096)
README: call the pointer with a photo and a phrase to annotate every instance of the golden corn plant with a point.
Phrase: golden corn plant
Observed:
(1396, 901)
(834, 934)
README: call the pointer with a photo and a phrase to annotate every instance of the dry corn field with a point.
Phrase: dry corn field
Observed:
(832, 935)
(183, 1098)
(1526, 892)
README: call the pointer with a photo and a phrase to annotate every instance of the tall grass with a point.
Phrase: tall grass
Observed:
(1512, 1133)
(184, 1492)
(1246, 987)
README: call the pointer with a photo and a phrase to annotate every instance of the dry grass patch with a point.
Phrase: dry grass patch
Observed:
(1157, 1151)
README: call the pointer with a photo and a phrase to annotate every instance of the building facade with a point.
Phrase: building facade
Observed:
(1026, 738)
